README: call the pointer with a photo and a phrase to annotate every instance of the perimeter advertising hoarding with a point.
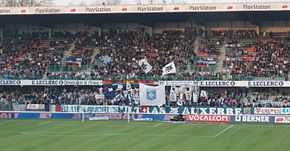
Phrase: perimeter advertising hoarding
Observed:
(208, 118)
(282, 119)
(6, 115)
(252, 119)
(249, 118)
(87, 116)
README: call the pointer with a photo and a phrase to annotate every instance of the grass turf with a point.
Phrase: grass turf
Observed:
(65, 135)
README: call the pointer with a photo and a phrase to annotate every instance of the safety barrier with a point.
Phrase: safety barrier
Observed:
(242, 118)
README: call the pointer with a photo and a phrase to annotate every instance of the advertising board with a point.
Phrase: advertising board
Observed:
(282, 119)
(272, 111)
(208, 118)
(252, 119)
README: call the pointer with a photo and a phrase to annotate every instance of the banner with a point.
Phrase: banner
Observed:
(50, 82)
(208, 118)
(151, 95)
(282, 119)
(99, 118)
(6, 115)
(266, 84)
(222, 83)
(87, 116)
(147, 117)
(18, 107)
(253, 119)
(272, 111)
(206, 83)
(94, 109)
(152, 110)
(10, 82)
(105, 116)
(184, 110)
(145, 66)
(188, 110)
(169, 69)
(35, 107)
(62, 82)
(170, 8)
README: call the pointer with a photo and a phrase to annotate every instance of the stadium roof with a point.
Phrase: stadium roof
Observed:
(126, 2)
(90, 2)
(255, 17)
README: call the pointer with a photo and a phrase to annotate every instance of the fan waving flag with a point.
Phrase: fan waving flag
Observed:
(169, 69)
(146, 67)
(152, 95)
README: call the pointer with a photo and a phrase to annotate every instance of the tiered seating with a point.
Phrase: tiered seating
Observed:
(115, 54)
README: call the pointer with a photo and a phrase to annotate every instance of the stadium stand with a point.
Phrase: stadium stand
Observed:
(115, 54)
(72, 51)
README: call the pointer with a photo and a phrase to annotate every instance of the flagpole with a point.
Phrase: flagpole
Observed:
(128, 114)
(82, 113)
(129, 98)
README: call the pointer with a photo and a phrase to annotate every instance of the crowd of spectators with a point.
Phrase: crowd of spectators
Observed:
(108, 54)
(69, 96)
(252, 55)
(115, 54)
(232, 97)
(116, 95)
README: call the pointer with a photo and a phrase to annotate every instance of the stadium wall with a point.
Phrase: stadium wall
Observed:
(184, 110)
(242, 118)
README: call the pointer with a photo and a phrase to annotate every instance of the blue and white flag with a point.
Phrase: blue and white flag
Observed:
(151, 95)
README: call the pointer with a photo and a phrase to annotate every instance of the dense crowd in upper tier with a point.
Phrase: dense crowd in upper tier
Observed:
(115, 54)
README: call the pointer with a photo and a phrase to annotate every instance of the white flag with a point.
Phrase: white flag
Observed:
(172, 95)
(203, 93)
(151, 95)
(128, 86)
(146, 67)
(169, 69)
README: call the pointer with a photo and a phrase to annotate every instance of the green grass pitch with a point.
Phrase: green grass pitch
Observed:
(66, 135)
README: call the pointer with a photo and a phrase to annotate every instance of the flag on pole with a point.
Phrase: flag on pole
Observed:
(169, 69)
(145, 66)
(152, 95)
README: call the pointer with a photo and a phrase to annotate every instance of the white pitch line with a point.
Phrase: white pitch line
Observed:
(224, 130)
(106, 134)
(157, 125)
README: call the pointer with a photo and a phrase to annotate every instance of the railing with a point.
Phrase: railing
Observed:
(182, 76)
